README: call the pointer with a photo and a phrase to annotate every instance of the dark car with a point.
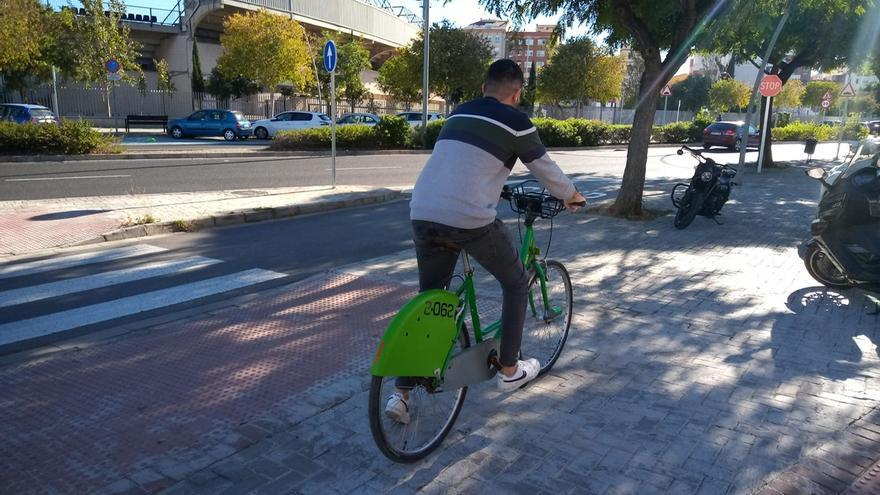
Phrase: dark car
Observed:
(873, 127)
(227, 123)
(729, 135)
(21, 113)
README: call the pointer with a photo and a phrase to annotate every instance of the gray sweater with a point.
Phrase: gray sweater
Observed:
(475, 152)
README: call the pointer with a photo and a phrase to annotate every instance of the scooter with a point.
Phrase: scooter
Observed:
(843, 250)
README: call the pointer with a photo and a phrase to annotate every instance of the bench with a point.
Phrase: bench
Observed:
(146, 119)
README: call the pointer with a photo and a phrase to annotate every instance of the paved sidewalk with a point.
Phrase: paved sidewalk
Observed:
(703, 361)
(33, 225)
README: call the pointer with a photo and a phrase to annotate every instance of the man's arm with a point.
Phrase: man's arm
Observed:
(531, 151)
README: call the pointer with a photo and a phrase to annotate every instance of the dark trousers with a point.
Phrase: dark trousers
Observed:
(437, 250)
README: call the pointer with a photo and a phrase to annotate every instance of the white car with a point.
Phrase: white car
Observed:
(289, 121)
(369, 119)
(414, 119)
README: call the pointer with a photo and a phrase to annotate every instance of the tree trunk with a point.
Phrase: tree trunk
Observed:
(629, 198)
(768, 149)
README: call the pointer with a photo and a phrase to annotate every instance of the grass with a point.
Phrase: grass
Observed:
(144, 220)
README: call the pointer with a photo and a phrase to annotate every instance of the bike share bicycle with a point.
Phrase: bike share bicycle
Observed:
(429, 343)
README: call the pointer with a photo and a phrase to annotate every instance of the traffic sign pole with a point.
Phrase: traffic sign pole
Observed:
(765, 124)
(330, 59)
(847, 93)
(665, 102)
(333, 123)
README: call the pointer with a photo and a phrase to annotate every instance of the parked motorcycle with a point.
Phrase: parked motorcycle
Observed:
(707, 192)
(843, 250)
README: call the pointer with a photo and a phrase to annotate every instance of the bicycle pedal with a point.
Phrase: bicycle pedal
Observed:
(493, 360)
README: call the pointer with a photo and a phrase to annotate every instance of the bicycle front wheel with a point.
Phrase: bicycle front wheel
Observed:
(431, 414)
(548, 320)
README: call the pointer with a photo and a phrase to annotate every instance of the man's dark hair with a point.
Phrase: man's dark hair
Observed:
(504, 75)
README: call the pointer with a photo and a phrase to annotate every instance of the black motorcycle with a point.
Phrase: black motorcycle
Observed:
(843, 250)
(707, 192)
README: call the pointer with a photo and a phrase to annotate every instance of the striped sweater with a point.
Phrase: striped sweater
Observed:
(474, 154)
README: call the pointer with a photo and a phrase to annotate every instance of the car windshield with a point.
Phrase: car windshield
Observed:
(41, 112)
(239, 116)
(324, 117)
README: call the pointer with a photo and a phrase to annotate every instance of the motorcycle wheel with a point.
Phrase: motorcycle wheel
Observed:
(690, 206)
(823, 270)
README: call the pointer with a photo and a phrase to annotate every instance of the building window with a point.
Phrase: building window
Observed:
(540, 64)
(541, 41)
(529, 65)
(542, 53)
(530, 41)
(530, 53)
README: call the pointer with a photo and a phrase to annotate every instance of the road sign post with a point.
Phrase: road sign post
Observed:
(666, 92)
(847, 93)
(330, 65)
(113, 75)
(770, 86)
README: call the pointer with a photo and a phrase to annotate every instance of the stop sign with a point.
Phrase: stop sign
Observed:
(770, 86)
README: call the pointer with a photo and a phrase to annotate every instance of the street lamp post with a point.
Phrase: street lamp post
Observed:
(426, 7)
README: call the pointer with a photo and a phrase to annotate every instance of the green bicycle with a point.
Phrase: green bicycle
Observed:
(428, 341)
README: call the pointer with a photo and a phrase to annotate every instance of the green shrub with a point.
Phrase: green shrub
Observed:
(677, 132)
(391, 132)
(556, 133)
(702, 120)
(415, 134)
(782, 119)
(71, 137)
(854, 130)
(590, 132)
(800, 131)
(619, 134)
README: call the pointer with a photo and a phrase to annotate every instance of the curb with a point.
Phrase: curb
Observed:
(142, 155)
(252, 215)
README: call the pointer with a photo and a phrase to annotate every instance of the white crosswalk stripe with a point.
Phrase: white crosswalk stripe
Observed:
(34, 323)
(106, 279)
(73, 260)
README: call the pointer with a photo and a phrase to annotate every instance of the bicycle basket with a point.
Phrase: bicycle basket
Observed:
(529, 198)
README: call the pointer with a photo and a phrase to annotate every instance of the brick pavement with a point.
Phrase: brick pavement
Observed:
(701, 361)
(33, 225)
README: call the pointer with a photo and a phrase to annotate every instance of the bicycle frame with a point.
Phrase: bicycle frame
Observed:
(466, 293)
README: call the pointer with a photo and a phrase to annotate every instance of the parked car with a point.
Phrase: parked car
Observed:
(227, 123)
(21, 113)
(414, 119)
(829, 123)
(873, 127)
(729, 134)
(289, 121)
(369, 119)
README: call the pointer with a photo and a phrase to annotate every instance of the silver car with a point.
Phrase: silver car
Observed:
(414, 119)
(369, 119)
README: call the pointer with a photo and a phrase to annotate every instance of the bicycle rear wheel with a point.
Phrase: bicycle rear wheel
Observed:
(432, 415)
(546, 326)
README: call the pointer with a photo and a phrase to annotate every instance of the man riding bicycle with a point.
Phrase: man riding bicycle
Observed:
(454, 204)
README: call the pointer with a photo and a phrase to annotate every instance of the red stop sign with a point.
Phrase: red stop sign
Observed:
(770, 86)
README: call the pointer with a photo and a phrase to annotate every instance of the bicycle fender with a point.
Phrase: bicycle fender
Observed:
(418, 339)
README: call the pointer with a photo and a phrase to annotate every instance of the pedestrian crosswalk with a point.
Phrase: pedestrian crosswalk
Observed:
(51, 296)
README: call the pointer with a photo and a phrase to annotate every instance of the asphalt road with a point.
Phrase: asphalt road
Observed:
(42, 180)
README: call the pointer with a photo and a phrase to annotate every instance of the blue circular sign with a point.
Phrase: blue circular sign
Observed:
(329, 56)
(112, 66)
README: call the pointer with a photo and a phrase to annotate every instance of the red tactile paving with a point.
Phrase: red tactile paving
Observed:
(77, 421)
(25, 231)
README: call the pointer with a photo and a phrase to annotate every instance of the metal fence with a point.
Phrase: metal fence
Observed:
(611, 115)
(92, 104)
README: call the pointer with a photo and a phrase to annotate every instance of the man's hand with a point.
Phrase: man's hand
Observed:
(575, 202)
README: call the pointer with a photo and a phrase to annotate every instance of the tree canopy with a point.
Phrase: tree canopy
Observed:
(578, 71)
(265, 48)
(400, 77)
(729, 95)
(815, 90)
(352, 58)
(791, 95)
(693, 92)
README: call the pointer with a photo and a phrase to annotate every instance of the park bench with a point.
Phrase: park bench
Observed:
(146, 119)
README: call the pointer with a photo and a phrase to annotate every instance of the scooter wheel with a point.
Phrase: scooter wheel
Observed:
(823, 270)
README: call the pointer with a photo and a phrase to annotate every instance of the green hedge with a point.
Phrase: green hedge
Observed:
(415, 134)
(675, 133)
(557, 133)
(800, 131)
(71, 137)
(390, 132)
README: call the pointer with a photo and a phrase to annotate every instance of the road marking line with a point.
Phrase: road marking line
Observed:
(366, 168)
(106, 279)
(29, 268)
(68, 178)
(126, 306)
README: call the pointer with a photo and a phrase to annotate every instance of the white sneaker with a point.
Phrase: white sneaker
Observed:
(526, 371)
(397, 409)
